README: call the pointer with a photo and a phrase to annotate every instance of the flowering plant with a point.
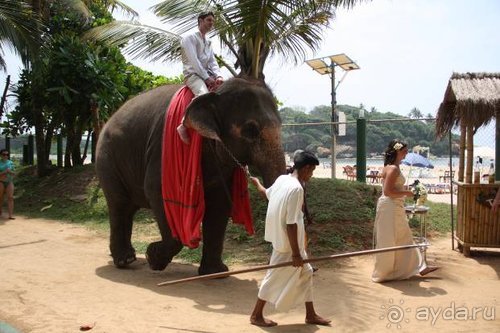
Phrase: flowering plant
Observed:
(398, 146)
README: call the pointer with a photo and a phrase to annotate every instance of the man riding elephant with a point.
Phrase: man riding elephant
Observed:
(200, 68)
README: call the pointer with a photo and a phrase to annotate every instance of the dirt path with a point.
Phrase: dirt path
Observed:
(55, 277)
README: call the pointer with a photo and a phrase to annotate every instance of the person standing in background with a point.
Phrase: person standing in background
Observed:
(6, 182)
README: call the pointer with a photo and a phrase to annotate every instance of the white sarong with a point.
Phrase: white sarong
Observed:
(286, 287)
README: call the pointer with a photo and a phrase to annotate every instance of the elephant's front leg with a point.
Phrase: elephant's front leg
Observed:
(217, 211)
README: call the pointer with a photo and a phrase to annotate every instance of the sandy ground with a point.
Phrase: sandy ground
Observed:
(56, 277)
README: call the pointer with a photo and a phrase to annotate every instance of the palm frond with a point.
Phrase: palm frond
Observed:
(20, 29)
(182, 14)
(138, 40)
(290, 28)
(3, 65)
(127, 10)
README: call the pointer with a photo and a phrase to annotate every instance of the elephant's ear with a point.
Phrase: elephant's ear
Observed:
(201, 115)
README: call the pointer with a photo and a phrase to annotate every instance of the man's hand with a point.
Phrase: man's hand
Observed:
(210, 82)
(262, 190)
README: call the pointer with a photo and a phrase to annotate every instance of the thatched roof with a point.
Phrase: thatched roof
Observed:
(470, 99)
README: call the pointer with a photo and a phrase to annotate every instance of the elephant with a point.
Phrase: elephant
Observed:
(239, 119)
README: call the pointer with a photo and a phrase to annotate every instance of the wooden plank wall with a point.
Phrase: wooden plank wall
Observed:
(476, 224)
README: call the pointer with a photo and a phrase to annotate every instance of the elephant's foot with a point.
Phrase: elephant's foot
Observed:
(210, 269)
(159, 254)
(124, 259)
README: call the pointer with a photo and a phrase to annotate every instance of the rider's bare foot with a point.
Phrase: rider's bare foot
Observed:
(428, 270)
(183, 133)
(317, 320)
(262, 322)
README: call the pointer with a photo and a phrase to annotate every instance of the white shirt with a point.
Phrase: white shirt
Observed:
(198, 57)
(286, 197)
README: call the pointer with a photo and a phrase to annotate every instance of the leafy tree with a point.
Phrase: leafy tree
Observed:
(43, 12)
(74, 84)
(414, 132)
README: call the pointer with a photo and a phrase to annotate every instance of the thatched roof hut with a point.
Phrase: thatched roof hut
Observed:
(471, 99)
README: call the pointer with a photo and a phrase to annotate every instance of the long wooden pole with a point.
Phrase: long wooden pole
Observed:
(289, 263)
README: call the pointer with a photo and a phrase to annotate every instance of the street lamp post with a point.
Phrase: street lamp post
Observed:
(319, 65)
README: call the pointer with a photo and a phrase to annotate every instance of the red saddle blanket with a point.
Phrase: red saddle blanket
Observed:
(182, 180)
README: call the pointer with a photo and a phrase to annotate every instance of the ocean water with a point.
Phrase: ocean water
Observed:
(439, 162)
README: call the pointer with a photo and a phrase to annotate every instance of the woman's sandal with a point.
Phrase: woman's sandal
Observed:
(428, 270)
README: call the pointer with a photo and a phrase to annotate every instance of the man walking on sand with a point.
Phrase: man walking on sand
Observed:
(287, 286)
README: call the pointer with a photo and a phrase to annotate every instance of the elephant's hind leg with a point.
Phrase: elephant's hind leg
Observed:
(121, 221)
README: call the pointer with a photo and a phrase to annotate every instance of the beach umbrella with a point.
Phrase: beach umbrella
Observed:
(417, 160)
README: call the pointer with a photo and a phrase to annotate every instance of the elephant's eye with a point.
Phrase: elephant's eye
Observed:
(250, 130)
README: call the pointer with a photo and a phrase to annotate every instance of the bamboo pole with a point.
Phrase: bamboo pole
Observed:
(470, 155)
(461, 153)
(289, 263)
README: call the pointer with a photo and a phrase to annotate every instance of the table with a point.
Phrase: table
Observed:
(373, 175)
(421, 212)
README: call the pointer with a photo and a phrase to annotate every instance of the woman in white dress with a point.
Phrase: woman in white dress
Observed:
(391, 224)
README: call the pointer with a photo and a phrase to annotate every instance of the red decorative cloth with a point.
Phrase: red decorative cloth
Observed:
(241, 212)
(182, 180)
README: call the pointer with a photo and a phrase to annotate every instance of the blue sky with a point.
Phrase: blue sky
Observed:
(407, 51)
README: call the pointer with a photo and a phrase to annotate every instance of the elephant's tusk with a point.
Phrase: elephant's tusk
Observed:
(289, 263)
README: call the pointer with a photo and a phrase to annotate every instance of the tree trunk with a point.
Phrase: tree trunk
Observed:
(4, 96)
(69, 144)
(245, 53)
(87, 141)
(96, 121)
(41, 156)
(77, 139)
(48, 142)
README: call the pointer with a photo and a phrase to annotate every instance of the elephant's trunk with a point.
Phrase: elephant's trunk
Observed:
(270, 158)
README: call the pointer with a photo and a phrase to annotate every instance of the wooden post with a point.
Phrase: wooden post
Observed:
(461, 153)
(470, 154)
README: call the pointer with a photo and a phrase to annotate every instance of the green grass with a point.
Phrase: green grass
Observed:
(343, 213)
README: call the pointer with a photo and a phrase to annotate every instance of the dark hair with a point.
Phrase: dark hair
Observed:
(301, 158)
(391, 152)
(4, 150)
(204, 14)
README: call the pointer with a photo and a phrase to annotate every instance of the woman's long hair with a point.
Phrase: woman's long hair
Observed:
(392, 151)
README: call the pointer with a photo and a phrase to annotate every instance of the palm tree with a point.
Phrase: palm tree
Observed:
(251, 30)
(415, 113)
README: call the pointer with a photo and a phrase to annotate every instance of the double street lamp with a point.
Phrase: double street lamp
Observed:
(322, 67)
